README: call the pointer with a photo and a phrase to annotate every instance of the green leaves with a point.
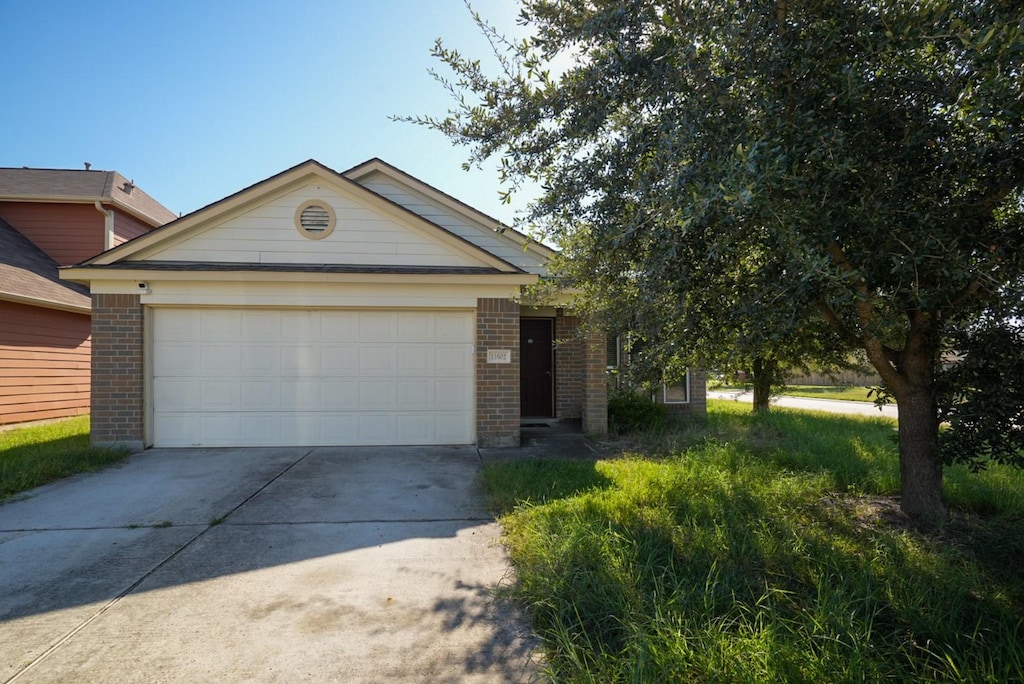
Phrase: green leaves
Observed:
(741, 180)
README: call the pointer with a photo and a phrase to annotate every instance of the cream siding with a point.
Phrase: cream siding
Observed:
(267, 235)
(306, 295)
(481, 236)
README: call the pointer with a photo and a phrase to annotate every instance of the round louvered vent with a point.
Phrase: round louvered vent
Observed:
(314, 219)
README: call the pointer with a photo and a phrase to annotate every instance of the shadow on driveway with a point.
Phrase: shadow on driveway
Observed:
(353, 564)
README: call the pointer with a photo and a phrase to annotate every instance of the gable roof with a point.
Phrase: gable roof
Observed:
(29, 276)
(139, 249)
(76, 185)
(378, 165)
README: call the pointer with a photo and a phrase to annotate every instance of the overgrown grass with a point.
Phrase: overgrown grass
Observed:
(737, 550)
(33, 456)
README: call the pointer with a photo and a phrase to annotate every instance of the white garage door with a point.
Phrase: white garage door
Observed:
(269, 377)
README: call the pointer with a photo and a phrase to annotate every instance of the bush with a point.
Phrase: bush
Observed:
(632, 412)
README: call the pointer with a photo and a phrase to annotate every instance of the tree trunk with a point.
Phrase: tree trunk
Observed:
(764, 377)
(920, 467)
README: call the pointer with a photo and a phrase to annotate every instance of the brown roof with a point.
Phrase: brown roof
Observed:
(28, 274)
(75, 185)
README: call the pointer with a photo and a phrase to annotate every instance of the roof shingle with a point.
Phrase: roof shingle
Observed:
(70, 185)
(28, 273)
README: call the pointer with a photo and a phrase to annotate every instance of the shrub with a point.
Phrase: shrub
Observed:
(632, 412)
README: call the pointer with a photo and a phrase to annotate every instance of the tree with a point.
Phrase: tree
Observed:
(772, 167)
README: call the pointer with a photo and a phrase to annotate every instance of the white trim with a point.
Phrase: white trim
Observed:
(664, 391)
(319, 204)
(44, 303)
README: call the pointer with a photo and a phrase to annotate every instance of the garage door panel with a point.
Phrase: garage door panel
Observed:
(180, 429)
(450, 428)
(176, 325)
(300, 429)
(415, 395)
(377, 326)
(300, 395)
(339, 326)
(260, 395)
(176, 358)
(340, 394)
(454, 327)
(452, 396)
(261, 326)
(220, 395)
(376, 394)
(220, 360)
(220, 325)
(413, 428)
(175, 394)
(376, 429)
(219, 429)
(415, 326)
(414, 359)
(259, 360)
(265, 377)
(299, 360)
(258, 429)
(339, 428)
(377, 360)
(339, 359)
(300, 326)
(454, 360)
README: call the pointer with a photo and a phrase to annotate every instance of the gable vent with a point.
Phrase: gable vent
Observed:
(314, 219)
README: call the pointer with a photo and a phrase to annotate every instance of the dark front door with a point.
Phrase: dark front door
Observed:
(536, 368)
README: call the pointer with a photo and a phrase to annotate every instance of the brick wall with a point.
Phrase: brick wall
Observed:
(568, 368)
(698, 405)
(595, 384)
(117, 370)
(497, 384)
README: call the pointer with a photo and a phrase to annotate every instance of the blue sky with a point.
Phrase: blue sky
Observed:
(195, 100)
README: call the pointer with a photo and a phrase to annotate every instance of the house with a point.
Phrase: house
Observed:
(50, 218)
(325, 308)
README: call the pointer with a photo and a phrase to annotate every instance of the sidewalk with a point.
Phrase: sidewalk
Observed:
(862, 408)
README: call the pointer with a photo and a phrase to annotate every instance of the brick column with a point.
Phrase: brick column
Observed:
(497, 384)
(568, 368)
(117, 417)
(595, 384)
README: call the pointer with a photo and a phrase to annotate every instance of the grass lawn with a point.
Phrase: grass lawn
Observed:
(760, 549)
(32, 456)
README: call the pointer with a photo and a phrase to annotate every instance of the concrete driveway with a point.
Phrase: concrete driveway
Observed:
(260, 565)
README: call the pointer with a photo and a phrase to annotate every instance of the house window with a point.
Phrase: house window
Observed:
(677, 393)
(314, 219)
(612, 352)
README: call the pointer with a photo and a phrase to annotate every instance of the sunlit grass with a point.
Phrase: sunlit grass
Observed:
(34, 455)
(728, 551)
(839, 392)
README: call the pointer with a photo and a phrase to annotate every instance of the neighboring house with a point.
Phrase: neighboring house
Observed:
(325, 308)
(51, 218)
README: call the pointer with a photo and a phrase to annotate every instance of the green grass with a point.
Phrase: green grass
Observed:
(740, 550)
(33, 456)
(817, 392)
(845, 393)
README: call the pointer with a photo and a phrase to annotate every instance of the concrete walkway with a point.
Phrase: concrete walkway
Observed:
(862, 408)
(260, 565)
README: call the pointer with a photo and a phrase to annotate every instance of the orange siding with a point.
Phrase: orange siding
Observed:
(127, 227)
(69, 233)
(44, 363)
